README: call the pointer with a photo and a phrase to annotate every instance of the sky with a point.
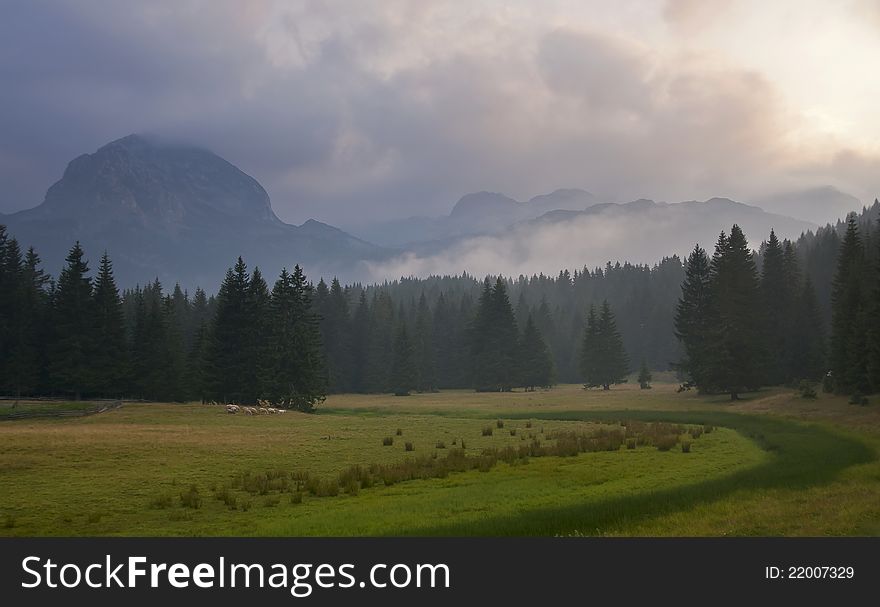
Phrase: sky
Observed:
(351, 112)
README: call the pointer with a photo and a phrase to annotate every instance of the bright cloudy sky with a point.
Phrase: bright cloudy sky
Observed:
(360, 110)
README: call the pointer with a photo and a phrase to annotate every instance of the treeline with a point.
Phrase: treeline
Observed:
(742, 328)
(80, 337)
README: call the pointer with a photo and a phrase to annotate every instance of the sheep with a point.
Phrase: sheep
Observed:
(248, 411)
(272, 410)
(263, 411)
(232, 409)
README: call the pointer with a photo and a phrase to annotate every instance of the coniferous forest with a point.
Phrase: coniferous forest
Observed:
(727, 321)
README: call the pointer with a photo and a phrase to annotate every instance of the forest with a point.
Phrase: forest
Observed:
(727, 322)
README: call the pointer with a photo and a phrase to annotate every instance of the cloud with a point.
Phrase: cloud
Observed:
(354, 112)
(591, 240)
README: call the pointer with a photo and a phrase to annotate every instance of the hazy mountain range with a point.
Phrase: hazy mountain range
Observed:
(183, 214)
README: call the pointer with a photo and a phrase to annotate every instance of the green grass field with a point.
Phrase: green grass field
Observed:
(775, 464)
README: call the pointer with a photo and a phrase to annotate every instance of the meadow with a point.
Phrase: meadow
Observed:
(558, 462)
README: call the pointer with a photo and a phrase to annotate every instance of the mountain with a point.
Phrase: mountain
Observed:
(641, 231)
(179, 213)
(819, 205)
(474, 214)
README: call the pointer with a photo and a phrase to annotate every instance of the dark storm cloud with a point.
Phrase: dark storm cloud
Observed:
(350, 112)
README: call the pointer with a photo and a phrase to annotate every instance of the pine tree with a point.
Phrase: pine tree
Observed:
(196, 377)
(494, 340)
(403, 376)
(536, 363)
(230, 334)
(848, 356)
(590, 350)
(257, 343)
(644, 376)
(111, 349)
(799, 302)
(360, 344)
(873, 366)
(172, 370)
(694, 318)
(298, 368)
(73, 343)
(424, 348)
(332, 306)
(30, 358)
(736, 361)
(23, 303)
(776, 306)
(613, 362)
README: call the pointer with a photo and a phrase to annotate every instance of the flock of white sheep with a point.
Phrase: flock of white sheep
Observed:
(263, 408)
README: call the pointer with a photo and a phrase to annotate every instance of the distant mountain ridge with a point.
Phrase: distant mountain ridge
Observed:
(177, 212)
(640, 231)
(475, 213)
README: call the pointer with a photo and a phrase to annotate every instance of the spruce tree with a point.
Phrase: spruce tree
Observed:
(403, 376)
(360, 344)
(848, 355)
(423, 339)
(230, 335)
(873, 366)
(536, 363)
(298, 369)
(332, 306)
(258, 348)
(23, 303)
(111, 349)
(613, 363)
(29, 361)
(694, 319)
(737, 348)
(799, 301)
(73, 344)
(776, 308)
(590, 350)
(494, 340)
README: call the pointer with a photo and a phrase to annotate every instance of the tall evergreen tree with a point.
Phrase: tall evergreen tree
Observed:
(230, 334)
(603, 358)
(332, 306)
(257, 344)
(776, 306)
(737, 354)
(694, 318)
(848, 355)
(299, 373)
(536, 363)
(111, 350)
(73, 343)
(360, 345)
(873, 366)
(613, 363)
(494, 340)
(423, 346)
(590, 350)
